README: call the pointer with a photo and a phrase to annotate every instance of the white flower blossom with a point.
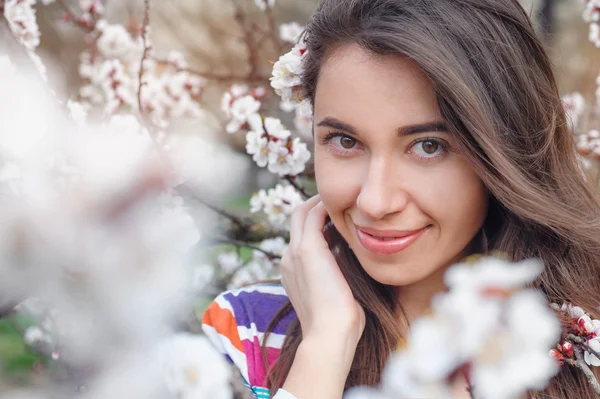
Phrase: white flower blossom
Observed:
(20, 15)
(235, 91)
(492, 272)
(276, 246)
(176, 59)
(92, 7)
(287, 72)
(202, 276)
(77, 112)
(193, 369)
(588, 144)
(290, 32)
(300, 156)
(500, 329)
(114, 41)
(574, 104)
(287, 106)
(275, 128)
(515, 359)
(589, 358)
(258, 146)
(260, 267)
(257, 201)
(263, 4)
(591, 13)
(280, 161)
(575, 311)
(35, 335)
(241, 110)
(229, 262)
(590, 325)
(594, 34)
(303, 120)
(278, 204)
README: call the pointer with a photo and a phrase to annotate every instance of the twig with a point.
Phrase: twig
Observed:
(63, 4)
(471, 391)
(277, 45)
(224, 240)
(248, 39)
(145, 25)
(582, 342)
(186, 190)
(292, 181)
(228, 78)
(582, 365)
(217, 77)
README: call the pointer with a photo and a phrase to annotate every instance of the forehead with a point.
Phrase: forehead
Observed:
(367, 89)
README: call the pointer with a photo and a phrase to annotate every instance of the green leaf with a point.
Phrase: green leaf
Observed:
(22, 363)
(11, 345)
(7, 327)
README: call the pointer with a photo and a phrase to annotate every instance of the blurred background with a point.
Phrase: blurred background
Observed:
(214, 42)
(225, 43)
(206, 31)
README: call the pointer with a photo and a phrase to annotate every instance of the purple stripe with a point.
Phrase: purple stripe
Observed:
(259, 308)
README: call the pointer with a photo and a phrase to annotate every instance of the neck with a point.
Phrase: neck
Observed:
(415, 299)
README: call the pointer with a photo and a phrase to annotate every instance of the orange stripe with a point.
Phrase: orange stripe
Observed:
(224, 322)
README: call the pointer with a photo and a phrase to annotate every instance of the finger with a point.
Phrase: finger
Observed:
(313, 226)
(298, 219)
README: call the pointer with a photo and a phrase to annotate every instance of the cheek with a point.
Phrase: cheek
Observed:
(456, 198)
(338, 184)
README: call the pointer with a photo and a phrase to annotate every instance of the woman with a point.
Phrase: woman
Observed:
(439, 133)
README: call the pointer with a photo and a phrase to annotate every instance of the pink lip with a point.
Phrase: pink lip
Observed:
(390, 246)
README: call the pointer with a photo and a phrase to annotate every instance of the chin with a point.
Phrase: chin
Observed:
(393, 275)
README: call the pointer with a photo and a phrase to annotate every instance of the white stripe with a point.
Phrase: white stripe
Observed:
(224, 345)
(224, 303)
(282, 394)
(275, 340)
(262, 288)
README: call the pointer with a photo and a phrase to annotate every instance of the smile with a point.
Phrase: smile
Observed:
(388, 244)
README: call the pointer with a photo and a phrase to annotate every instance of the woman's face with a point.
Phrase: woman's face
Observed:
(387, 171)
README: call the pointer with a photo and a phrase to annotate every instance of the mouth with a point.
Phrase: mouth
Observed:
(388, 242)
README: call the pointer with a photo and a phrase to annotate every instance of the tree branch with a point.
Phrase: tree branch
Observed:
(145, 26)
(225, 240)
(582, 365)
(217, 77)
(248, 39)
(273, 34)
(293, 182)
(582, 342)
(187, 190)
(71, 14)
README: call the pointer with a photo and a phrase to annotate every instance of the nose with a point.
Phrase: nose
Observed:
(382, 192)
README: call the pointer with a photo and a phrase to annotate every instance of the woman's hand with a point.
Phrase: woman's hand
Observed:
(314, 283)
(332, 321)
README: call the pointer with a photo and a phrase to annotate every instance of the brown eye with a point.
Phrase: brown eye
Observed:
(347, 142)
(430, 146)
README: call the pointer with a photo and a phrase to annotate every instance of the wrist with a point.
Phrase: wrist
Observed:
(336, 351)
(334, 335)
(321, 364)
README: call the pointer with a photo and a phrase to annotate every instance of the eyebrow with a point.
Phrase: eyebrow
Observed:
(436, 126)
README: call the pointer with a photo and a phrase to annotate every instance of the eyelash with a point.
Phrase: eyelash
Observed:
(327, 140)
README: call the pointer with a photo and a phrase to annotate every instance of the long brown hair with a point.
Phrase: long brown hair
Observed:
(496, 90)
